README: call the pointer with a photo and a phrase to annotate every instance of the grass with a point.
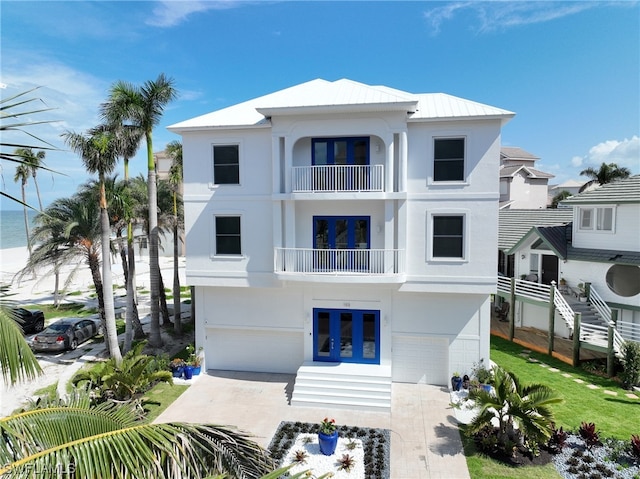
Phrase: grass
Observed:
(161, 397)
(63, 310)
(580, 404)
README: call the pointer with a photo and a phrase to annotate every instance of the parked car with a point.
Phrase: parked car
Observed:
(65, 334)
(30, 320)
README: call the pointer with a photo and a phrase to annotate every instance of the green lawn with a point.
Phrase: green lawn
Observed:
(580, 404)
(64, 310)
(161, 395)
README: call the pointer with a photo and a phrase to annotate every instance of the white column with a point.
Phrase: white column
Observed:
(389, 167)
(289, 224)
(288, 164)
(275, 164)
(402, 165)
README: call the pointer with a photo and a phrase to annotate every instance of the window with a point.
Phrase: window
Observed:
(228, 235)
(600, 219)
(448, 159)
(226, 164)
(448, 239)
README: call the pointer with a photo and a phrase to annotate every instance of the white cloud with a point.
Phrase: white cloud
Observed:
(169, 13)
(621, 152)
(500, 15)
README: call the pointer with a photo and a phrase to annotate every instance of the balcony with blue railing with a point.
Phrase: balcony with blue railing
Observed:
(337, 178)
(308, 263)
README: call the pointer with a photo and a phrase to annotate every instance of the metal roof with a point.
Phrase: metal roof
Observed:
(514, 224)
(322, 96)
(621, 191)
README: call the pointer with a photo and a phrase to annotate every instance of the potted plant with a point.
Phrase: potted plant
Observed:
(328, 436)
(582, 294)
(194, 360)
(456, 381)
(483, 374)
(177, 367)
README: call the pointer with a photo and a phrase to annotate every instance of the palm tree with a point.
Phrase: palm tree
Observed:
(563, 195)
(22, 175)
(513, 403)
(127, 138)
(605, 174)
(17, 361)
(76, 437)
(11, 121)
(98, 153)
(174, 150)
(34, 162)
(143, 107)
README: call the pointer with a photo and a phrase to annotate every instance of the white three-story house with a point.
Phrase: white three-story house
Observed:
(346, 233)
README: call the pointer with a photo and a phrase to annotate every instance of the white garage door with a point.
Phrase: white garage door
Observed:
(260, 351)
(420, 360)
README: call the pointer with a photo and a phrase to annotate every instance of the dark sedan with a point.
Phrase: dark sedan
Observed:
(65, 334)
(30, 320)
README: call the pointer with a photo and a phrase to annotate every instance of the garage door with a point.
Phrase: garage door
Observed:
(261, 351)
(420, 360)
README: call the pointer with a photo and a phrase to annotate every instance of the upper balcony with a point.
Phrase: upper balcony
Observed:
(367, 265)
(337, 178)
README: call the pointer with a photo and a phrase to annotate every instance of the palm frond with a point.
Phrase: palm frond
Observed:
(17, 361)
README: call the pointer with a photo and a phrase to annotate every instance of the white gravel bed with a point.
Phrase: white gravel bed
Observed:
(320, 464)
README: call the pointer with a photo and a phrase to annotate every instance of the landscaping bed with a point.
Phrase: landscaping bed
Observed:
(375, 447)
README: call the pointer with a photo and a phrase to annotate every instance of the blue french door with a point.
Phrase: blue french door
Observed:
(331, 234)
(350, 156)
(346, 335)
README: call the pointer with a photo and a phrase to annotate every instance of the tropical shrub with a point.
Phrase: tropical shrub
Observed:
(557, 440)
(483, 374)
(631, 362)
(136, 374)
(635, 446)
(523, 412)
(590, 435)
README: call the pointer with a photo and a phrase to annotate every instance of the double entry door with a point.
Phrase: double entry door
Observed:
(346, 335)
(341, 243)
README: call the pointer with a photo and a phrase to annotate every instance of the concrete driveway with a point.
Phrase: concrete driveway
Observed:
(425, 441)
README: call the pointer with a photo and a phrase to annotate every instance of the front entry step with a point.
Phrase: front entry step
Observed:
(343, 385)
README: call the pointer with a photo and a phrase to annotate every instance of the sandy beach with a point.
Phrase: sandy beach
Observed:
(39, 290)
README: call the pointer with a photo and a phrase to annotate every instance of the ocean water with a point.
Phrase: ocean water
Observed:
(12, 234)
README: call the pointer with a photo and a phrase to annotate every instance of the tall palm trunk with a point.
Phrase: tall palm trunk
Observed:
(26, 216)
(35, 182)
(111, 334)
(94, 266)
(177, 320)
(155, 339)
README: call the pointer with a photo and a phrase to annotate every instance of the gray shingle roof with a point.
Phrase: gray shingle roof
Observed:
(532, 172)
(516, 153)
(603, 256)
(514, 224)
(621, 191)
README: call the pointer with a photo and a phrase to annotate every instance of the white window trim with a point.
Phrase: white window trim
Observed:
(595, 215)
(213, 241)
(465, 236)
(431, 158)
(225, 142)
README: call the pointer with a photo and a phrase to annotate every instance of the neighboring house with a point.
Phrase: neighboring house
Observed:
(600, 246)
(570, 186)
(345, 233)
(521, 185)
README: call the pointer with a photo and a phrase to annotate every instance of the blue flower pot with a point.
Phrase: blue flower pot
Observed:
(328, 443)
(197, 370)
(456, 383)
(177, 372)
(188, 372)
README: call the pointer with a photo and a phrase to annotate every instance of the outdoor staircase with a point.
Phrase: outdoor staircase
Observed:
(589, 317)
(343, 385)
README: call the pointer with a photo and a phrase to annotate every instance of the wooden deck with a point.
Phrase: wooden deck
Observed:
(537, 340)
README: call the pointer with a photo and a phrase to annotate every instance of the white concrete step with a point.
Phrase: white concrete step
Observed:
(361, 386)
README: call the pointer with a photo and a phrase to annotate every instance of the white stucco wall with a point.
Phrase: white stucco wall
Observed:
(624, 237)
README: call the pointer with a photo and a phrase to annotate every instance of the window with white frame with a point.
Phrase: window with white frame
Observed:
(227, 233)
(448, 159)
(448, 236)
(226, 164)
(599, 219)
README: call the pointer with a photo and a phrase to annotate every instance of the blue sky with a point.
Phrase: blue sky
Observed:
(570, 70)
